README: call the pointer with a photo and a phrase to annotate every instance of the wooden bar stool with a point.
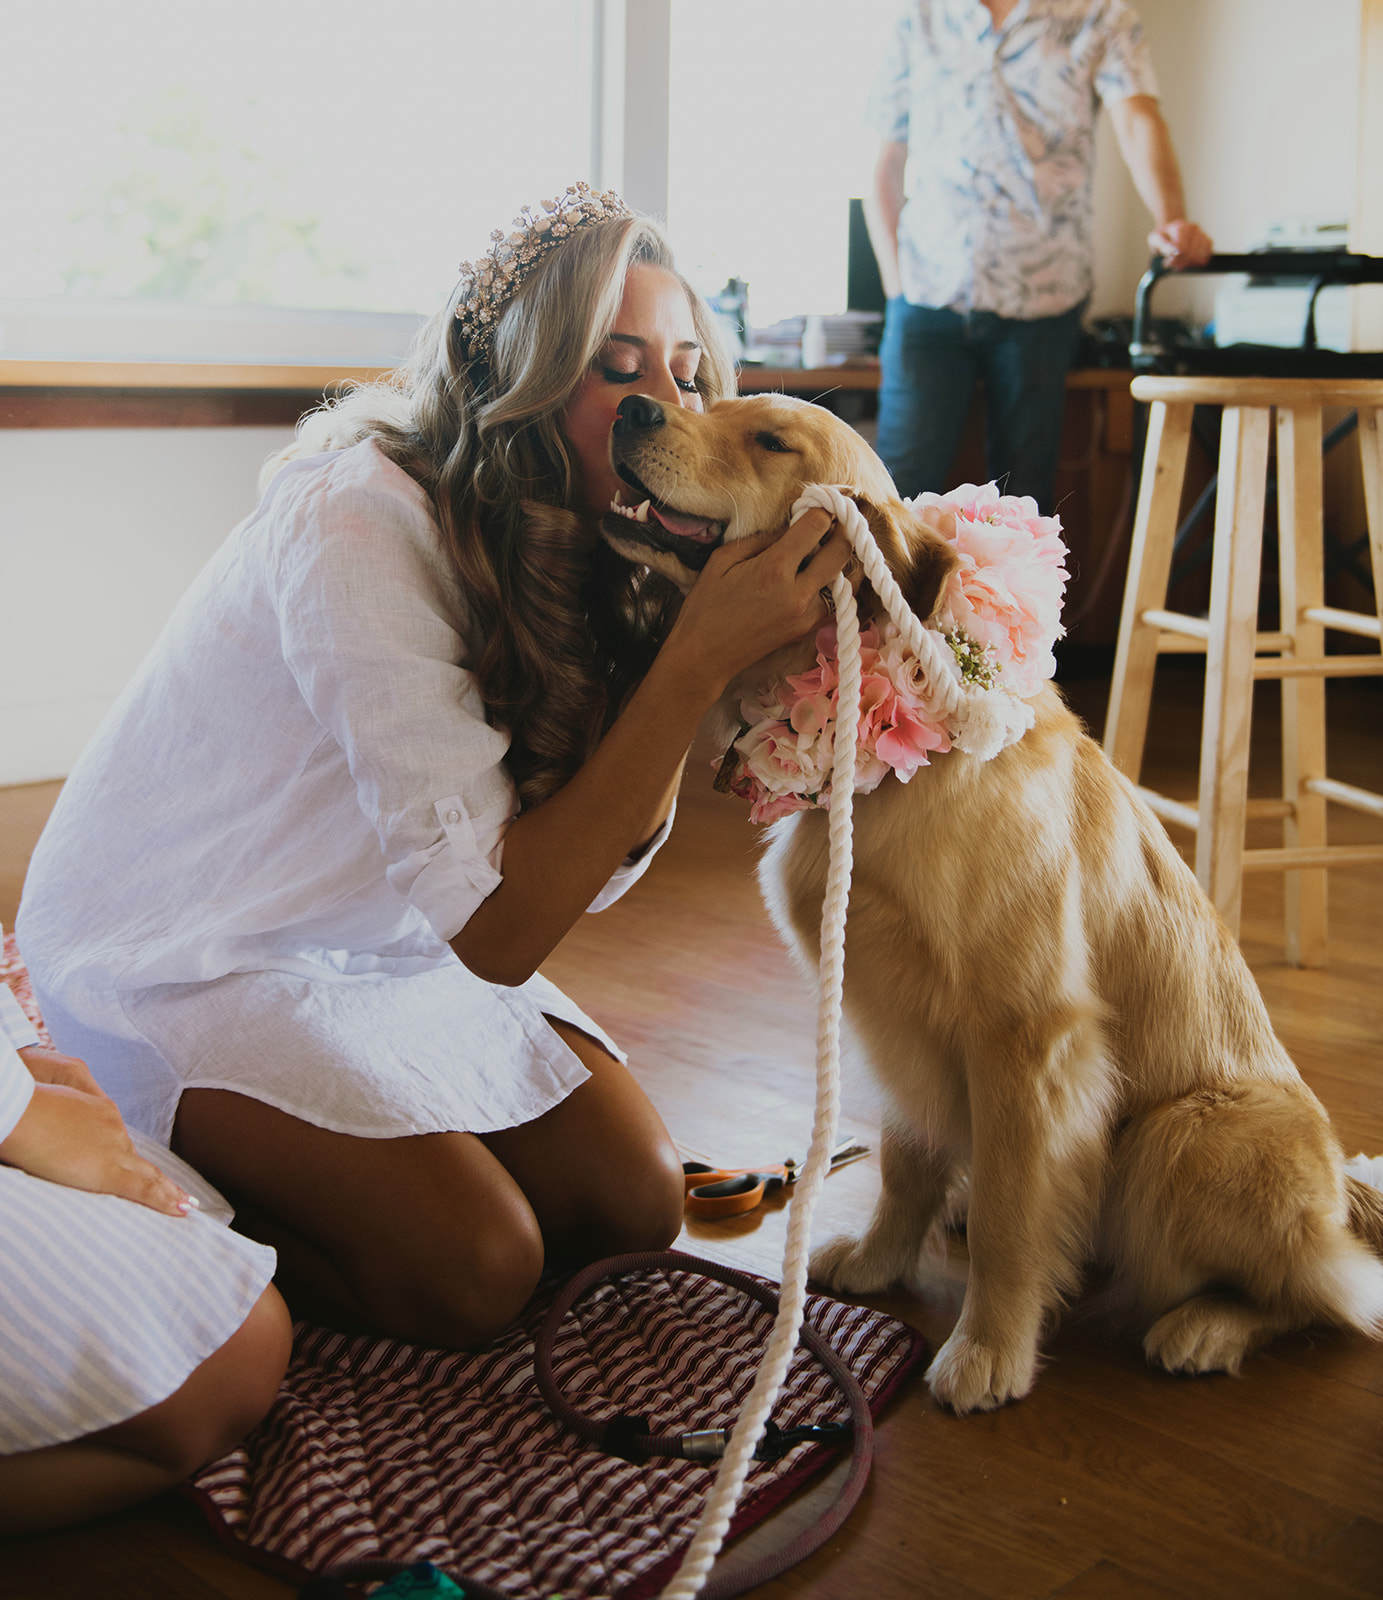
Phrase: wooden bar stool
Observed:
(1236, 653)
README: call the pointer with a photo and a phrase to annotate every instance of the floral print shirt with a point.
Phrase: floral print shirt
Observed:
(1000, 129)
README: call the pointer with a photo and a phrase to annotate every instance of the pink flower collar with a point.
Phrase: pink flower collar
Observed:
(1000, 614)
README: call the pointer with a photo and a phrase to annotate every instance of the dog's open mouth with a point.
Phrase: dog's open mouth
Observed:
(689, 537)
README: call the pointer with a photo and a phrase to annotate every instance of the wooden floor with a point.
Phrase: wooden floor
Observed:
(1111, 1479)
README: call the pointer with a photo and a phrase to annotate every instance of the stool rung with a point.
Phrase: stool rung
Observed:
(1183, 635)
(1344, 621)
(1318, 667)
(1301, 858)
(1177, 622)
(1192, 634)
(1170, 810)
(1346, 794)
(1272, 810)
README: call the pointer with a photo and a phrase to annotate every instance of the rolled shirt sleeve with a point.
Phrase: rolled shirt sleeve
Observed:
(887, 109)
(372, 629)
(16, 1082)
(376, 634)
(16, 1090)
(1125, 68)
(15, 1028)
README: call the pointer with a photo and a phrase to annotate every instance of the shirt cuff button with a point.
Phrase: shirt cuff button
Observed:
(453, 816)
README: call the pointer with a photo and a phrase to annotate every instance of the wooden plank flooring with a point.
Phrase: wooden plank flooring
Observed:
(1111, 1479)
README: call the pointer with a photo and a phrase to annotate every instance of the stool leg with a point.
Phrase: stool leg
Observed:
(1371, 458)
(1224, 775)
(1150, 565)
(1301, 538)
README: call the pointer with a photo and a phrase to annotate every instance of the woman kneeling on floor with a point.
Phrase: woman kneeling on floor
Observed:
(411, 722)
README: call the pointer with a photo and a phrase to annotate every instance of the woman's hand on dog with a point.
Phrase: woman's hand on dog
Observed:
(757, 595)
(752, 597)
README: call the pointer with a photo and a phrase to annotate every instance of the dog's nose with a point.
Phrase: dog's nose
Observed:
(637, 411)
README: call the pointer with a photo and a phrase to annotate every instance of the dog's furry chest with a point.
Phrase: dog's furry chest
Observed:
(965, 923)
(900, 988)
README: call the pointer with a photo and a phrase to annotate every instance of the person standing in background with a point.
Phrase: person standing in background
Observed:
(981, 218)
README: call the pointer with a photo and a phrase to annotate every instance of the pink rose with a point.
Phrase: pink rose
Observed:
(1007, 592)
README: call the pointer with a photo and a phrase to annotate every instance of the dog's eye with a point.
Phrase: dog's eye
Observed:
(771, 441)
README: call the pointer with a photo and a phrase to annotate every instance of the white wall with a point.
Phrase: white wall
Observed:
(1262, 97)
(100, 531)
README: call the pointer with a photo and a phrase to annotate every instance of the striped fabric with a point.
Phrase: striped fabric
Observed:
(106, 1307)
(378, 1450)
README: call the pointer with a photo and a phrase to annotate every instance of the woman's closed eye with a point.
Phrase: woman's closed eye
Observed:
(618, 375)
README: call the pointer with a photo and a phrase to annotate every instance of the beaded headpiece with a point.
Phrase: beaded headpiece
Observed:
(488, 284)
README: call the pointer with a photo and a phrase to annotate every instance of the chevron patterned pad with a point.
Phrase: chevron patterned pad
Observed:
(383, 1451)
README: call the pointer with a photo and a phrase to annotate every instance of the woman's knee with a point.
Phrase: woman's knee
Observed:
(641, 1210)
(459, 1286)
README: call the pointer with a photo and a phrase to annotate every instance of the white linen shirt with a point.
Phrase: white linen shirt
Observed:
(299, 783)
(1000, 129)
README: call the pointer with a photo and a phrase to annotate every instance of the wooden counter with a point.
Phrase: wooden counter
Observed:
(201, 394)
(164, 394)
(1094, 482)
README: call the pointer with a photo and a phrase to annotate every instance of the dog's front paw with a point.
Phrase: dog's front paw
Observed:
(969, 1376)
(859, 1266)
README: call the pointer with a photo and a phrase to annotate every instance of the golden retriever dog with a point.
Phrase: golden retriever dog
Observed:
(1062, 1029)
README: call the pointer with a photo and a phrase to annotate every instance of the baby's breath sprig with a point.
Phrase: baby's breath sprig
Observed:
(976, 661)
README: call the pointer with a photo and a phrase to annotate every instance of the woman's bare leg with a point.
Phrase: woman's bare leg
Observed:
(440, 1238)
(599, 1169)
(425, 1238)
(212, 1411)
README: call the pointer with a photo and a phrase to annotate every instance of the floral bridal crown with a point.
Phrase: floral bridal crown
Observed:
(488, 284)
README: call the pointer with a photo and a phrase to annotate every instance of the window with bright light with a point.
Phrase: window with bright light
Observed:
(314, 154)
(768, 145)
(327, 161)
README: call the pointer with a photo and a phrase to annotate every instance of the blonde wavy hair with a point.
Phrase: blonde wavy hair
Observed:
(562, 628)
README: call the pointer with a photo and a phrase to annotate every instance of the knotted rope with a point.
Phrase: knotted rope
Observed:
(984, 721)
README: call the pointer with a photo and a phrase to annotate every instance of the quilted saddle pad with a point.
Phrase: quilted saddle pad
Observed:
(382, 1451)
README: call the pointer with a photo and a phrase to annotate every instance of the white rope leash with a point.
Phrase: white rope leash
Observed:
(749, 1427)
(985, 721)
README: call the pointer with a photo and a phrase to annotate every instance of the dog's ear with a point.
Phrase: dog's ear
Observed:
(918, 547)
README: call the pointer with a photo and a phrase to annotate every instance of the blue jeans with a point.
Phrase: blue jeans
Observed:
(931, 360)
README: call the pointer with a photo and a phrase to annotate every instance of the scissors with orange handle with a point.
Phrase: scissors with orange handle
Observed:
(730, 1191)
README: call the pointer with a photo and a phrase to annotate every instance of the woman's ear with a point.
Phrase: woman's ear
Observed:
(918, 547)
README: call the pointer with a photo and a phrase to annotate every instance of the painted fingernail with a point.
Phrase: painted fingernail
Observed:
(189, 1202)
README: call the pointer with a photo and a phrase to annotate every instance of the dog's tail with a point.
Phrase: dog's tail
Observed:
(1365, 1212)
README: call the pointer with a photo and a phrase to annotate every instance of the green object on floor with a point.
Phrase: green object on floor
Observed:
(421, 1579)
